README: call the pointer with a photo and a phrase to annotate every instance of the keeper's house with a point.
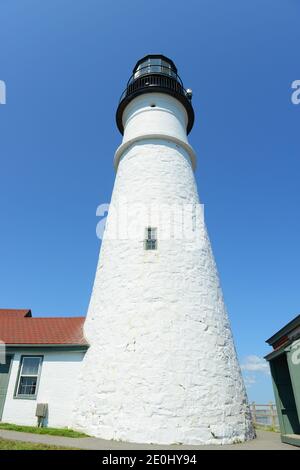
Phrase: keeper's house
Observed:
(284, 363)
(40, 365)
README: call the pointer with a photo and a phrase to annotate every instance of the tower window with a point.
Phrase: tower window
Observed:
(151, 238)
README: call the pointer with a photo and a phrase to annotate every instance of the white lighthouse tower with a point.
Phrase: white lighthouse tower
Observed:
(162, 366)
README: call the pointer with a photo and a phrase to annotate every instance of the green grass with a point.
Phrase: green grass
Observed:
(261, 427)
(6, 444)
(65, 432)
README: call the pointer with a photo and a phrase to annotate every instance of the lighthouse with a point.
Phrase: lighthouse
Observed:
(161, 366)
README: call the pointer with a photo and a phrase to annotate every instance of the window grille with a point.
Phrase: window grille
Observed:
(151, 238)
(28, 378)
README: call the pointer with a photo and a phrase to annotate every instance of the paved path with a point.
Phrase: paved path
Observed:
(265, 440)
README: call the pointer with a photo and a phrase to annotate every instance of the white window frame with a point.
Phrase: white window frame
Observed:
(20, 375)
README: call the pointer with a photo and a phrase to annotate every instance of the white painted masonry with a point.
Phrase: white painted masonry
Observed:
(58, 379)
(162, 366)
(155, 116)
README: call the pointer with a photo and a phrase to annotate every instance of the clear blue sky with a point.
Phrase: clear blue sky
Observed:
(65, 64)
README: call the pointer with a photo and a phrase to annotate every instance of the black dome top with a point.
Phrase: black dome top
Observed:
(155, 73)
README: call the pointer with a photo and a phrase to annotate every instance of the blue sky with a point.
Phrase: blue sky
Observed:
(65, 64)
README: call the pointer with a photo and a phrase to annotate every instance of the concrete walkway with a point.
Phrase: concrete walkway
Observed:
(265, 441)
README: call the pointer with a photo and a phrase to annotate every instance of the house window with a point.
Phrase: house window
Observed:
(29, 374)
(151, 238)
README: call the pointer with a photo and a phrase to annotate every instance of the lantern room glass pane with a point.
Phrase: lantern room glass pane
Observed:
(154, 65)
(142, 69)
(166, 69)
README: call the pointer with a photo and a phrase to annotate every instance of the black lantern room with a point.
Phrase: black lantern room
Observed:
(155, 73)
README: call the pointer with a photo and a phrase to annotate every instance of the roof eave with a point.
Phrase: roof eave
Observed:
(284, 331)
(57, 346)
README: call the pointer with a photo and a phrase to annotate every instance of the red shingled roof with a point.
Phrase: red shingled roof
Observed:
(15, 313)
(17, 327)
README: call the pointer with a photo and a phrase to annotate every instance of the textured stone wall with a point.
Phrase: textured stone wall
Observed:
(162, 366)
